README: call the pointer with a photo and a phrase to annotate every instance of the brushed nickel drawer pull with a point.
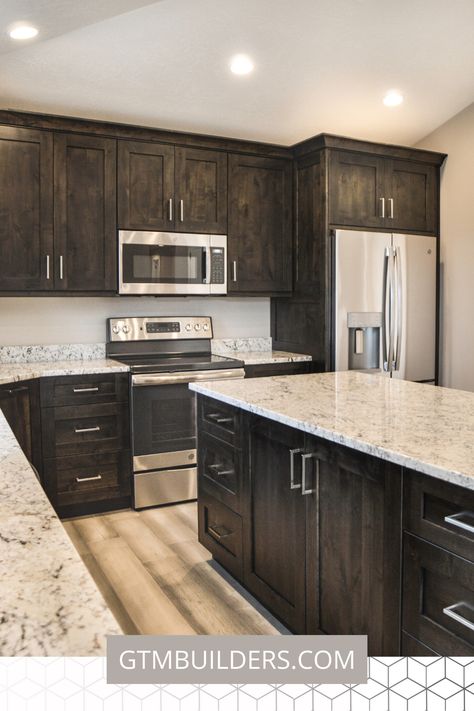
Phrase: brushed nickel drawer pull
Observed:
(456, 520)
(216, 468)
(292, 468)
(305, 457)
(80, 430)
(451, 612)
(85, 390)
(216, 535)
(81, 479)
(216, 417)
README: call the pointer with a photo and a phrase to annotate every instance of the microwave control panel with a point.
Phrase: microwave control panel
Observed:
(217, 265)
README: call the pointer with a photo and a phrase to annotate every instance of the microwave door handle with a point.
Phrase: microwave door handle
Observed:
(207, 265)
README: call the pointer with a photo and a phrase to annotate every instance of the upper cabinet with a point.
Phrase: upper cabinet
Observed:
(377, 192)
(85, 230)
(26, 209)
(260, 224)
(161, 187)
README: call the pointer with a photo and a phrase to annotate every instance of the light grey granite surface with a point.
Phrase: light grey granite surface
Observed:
(12, 372)
(264, 357)
(60, 352)
(49, 604)
(423, 427)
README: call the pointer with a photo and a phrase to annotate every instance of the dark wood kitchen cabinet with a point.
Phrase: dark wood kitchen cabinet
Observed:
(259, 225)
(16, 407)
(26, 209)
(85, 236)
(374, 192)
(163, 187)
(275, 529)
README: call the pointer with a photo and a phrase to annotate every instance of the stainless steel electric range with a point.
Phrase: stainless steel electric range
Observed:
(164, 355)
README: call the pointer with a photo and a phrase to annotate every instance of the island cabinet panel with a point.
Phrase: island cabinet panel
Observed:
(359, 570)
(201, 191)
(26, 209)
(85, 231)
(275, 535)
(145, 184)
(16, 408)
(260, 224)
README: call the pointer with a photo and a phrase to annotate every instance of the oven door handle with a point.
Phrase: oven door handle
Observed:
(186, 377)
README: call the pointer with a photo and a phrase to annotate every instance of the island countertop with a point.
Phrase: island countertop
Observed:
(49, 603)
(423, 427)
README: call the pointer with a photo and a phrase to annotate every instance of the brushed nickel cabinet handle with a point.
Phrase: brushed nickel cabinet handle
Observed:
(48, 271)
(452, 611)
(234, 270)
(170, 209)
(220, 472)
(85, 390)
(80, 430)
(390, 202)
(216, 534)
(457, 520)
(181, 210)
(382, 208)
(294, 452)
(305, 458)
(61, 267)
(80, 479)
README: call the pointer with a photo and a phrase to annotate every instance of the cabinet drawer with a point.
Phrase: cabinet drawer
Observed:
(221, 420)
(440, 512)
(220, 531)
(220, 470)
(86, 478)
(84, 389)
(84, 429)
(438, 598)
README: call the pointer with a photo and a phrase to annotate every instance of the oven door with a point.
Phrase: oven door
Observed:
(164, 435)
(163, 263)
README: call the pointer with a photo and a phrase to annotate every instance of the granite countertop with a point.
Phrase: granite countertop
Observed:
(14, 372)
(49, 603)
(423, 427)
(264, 357)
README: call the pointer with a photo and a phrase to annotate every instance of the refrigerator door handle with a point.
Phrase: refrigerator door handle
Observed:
(385, 348)
(399, 298)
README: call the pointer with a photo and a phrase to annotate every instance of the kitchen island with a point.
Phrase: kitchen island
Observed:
(344, 502)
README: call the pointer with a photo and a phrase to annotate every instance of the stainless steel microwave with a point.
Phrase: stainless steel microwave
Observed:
(172, 263)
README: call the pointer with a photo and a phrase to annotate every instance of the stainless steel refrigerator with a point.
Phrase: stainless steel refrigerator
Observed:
(385, 304)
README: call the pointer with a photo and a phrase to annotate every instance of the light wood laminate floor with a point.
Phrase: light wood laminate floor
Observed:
(158, 579)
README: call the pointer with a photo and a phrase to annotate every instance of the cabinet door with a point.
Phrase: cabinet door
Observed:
(201, 191)
(359, 547)
(15, 405)
(274, 559)
(145, 184)
(413, 189)
(85, 213)
(356, 190)
(260, 238)
(26, 209)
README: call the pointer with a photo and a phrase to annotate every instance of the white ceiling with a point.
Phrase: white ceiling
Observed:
(321, 65)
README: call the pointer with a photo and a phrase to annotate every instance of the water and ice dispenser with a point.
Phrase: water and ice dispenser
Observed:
(364, 340)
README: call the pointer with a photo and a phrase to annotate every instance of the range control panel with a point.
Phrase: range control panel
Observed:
(150, 328)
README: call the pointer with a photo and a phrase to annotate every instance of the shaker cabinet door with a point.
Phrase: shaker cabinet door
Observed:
(275, 546)
(26, 209)
(85, 233)
(145, 184)
(201, 191)
(260, 236)
(356, 190)
(413, 188)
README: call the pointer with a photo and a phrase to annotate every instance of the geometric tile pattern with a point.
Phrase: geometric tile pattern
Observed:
(394, 684)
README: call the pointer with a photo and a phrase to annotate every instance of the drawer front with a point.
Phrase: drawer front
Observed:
(438, 598)
(220, 531)
(265, 370)
(220, 470)
(441, 513)
(86, 478)
(221, 420)
(84, 389)
(84, 429)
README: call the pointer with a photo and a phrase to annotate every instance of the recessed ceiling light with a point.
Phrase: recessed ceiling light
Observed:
(393, 98)
(23, 32)
(241, 64)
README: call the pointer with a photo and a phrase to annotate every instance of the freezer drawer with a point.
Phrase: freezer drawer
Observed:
(164, 487)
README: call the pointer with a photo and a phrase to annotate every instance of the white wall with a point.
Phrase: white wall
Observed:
(32, 320)
(456, 138)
